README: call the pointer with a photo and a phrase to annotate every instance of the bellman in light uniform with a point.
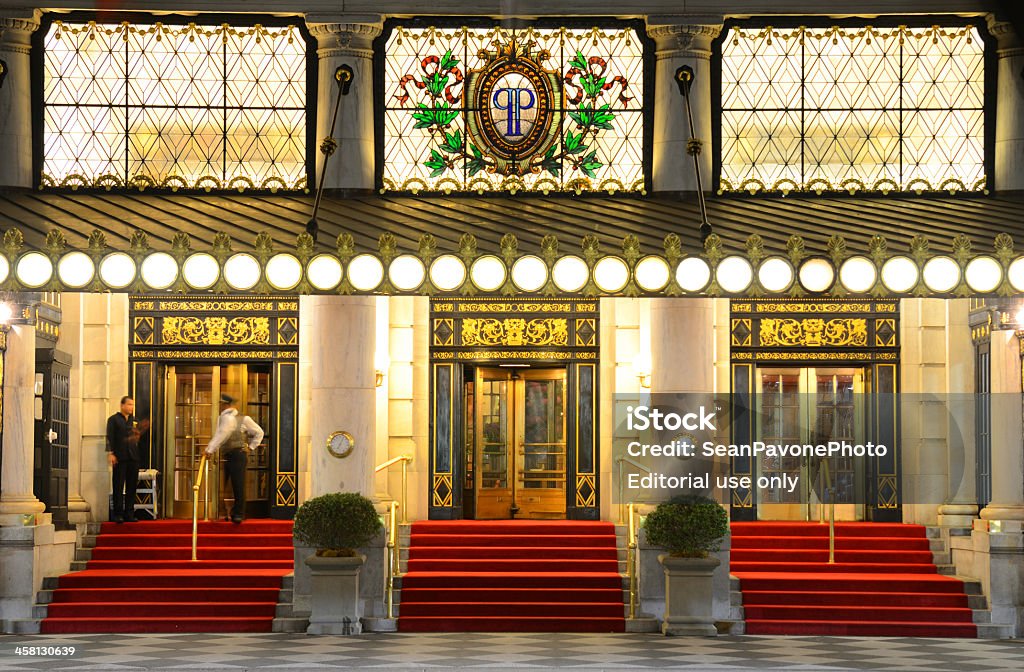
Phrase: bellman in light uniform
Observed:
(235, 437)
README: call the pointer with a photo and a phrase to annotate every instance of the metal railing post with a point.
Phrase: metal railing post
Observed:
(203, 466)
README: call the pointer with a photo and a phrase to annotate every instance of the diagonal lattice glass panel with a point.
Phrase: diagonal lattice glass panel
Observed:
(882, 109)
(175, 106)
(496, 109)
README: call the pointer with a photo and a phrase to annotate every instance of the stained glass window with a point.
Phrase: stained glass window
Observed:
(879, 109)
(497, 109)
(174, 106)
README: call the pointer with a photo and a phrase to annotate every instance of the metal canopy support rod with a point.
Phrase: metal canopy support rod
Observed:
(684, 78)
(343, 76)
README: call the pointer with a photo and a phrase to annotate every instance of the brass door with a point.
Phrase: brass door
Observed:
(193, 407)
(520, 424)
(811, 406)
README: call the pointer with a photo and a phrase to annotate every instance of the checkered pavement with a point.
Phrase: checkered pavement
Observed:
(497, 652)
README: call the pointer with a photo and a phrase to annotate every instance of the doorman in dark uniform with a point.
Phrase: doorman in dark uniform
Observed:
(123, 432)
(235, 437)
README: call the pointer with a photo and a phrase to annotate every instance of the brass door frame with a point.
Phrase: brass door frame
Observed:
(810, 507)
(510, 501)
(182, 508)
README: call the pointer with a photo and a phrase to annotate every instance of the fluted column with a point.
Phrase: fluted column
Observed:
(675, 368)
(960, 506)
(346, 40)
(344, 393)
(16, 28)
(16, 498)
(1009, 149)
(1007, 442)
(681, 40)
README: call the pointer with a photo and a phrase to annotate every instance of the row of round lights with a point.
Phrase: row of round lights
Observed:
(407, 273)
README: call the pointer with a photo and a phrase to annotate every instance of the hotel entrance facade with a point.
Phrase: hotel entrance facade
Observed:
(435, 258)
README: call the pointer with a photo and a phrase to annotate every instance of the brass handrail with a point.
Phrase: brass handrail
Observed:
(622, 459)
(405, 460)
(831, 513)
(392, 559)
(203, 467)
(632, 565)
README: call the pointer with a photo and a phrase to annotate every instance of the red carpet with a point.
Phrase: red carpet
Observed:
(883, 582)
(141, 579)
(512, 576)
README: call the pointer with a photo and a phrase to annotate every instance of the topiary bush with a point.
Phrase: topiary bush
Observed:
(688, 525)
(337, 523)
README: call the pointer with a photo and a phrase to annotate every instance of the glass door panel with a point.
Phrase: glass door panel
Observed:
(191, 392)
(494, 444)
(811, 406)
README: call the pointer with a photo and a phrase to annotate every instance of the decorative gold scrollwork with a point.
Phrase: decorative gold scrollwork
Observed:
(813, 333)
(515, 332)
(215, 331)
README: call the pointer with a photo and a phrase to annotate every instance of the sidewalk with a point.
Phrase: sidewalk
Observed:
(496, 652)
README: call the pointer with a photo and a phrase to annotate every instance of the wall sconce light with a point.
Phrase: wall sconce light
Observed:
(642, 365)
(15, 313)
(378, 377)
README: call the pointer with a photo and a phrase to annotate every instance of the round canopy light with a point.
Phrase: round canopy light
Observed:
(242, 271)
(1015, 274)
(693, 274)
(200, 270)
(611, 274)
(983, 274)
(734, 274)
(407, 272)
(5, 268)
(365, 272)
(117, 270)
(159, 270)
(488, 273)
(652, 274)
(858, 274)
(941, 274)
(34, 269)
(900, 274)
(775, 274)
(76, 270)
(284, 271)
(529, 273)
(447, 272)
(570, 274)
(324, 272)
(817, 274)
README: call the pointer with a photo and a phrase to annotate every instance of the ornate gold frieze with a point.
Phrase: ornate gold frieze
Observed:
(288, 305)
(813, 333)
(519, 354)
(514, 332)
(887, 307)
(228, 354)
(502, 307)
(816, 356)
(799, 307)
(586, 307)
(740, 307)
(143, 305)
(216, 306)
(215, 331)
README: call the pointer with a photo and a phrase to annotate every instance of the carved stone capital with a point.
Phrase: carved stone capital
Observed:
(684, 36)
(340, 36)
(1008, 42)
(16, 28)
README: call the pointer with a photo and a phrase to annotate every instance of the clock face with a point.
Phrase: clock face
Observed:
(340, 444)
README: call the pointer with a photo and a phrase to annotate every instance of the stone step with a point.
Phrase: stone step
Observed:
(994, 631)
(39, 611)
(23, 626)
(291, 624)
(83, 554)
(642, 623)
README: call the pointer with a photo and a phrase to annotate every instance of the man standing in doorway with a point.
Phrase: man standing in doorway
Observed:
(123, 432)
(235, 437)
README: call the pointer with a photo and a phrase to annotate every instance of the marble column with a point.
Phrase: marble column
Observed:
(343, 392)
(681, 40)
(346, 40)
(960, 507)
(1007, 443)
(16, 498)
(682, 345)
(1009, 149)
(71, 341)
(16, 28)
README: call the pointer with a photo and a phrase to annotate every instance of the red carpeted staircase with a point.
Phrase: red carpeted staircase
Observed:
(141, 578)
(512, 576)
(883, 582)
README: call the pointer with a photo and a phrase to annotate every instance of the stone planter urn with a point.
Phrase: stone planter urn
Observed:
(335, 607)
(688, 596)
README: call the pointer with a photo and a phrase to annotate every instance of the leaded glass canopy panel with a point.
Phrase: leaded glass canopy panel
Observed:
(496, 109)
(877, 109)
(174, 106)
